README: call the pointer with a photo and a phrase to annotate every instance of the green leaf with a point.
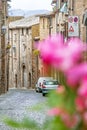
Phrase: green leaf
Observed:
(12, 123)
(54, 123)
(63, 100)
(25, 123)
(38, 107)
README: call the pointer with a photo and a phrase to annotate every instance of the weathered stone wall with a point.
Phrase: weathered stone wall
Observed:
(79, 9)
(3, 55)
(20, 54)
(47, 27)
(35, 33)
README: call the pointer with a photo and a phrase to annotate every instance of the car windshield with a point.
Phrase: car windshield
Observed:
(51, 83)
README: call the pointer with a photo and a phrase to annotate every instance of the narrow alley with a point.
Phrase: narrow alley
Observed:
(16, 104)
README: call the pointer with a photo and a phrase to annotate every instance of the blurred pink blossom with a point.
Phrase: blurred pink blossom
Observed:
(69, 120)
(55, 111)
(48, 47)
(76, 74)
(82, 90)
(80, 104)
(60, 89)
(85, 117)
(61, 55)
(67, 57)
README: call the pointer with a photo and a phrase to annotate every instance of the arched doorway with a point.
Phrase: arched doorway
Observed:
(30, 80)
(15, 80)
(23, 75)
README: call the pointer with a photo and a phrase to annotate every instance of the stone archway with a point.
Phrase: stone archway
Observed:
(30, 80)
(23, 75)
(16, 81)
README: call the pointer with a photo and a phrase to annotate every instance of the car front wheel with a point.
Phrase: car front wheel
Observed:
(43, 94)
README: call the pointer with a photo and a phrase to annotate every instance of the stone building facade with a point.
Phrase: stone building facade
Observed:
(79, 9)
(3, 46)
(21, 59)
(24, 66)
(65, 8)
(74, 8)
(47, 27)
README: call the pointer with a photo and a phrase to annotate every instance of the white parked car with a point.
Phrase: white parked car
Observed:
(40, 81)
(49, 86)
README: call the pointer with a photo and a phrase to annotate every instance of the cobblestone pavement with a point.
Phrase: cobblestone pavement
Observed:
(15, 103)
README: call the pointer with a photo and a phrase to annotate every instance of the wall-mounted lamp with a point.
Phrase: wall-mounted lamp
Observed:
(3, 29)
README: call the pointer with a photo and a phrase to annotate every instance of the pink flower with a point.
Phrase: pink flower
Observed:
(54, 111)
(70, 120)
(60, 89)
(76, 74)
(48, 47)
(85, 118)
(80, 104)
(82, 90)
(63, 56)
(69, 54)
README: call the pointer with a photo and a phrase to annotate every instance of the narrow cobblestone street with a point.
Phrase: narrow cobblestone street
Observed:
(15, 103)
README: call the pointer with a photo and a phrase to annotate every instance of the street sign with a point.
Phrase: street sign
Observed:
(71, 29)
(73, 26)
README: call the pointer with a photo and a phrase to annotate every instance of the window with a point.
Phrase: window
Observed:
(43, 23)
(15, 37)
(14, 50)
(27, 31)
(50, 21)
(22, 31)
(24, 47)
(50, 82)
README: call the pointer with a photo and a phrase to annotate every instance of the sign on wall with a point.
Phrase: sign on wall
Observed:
(73, 26)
